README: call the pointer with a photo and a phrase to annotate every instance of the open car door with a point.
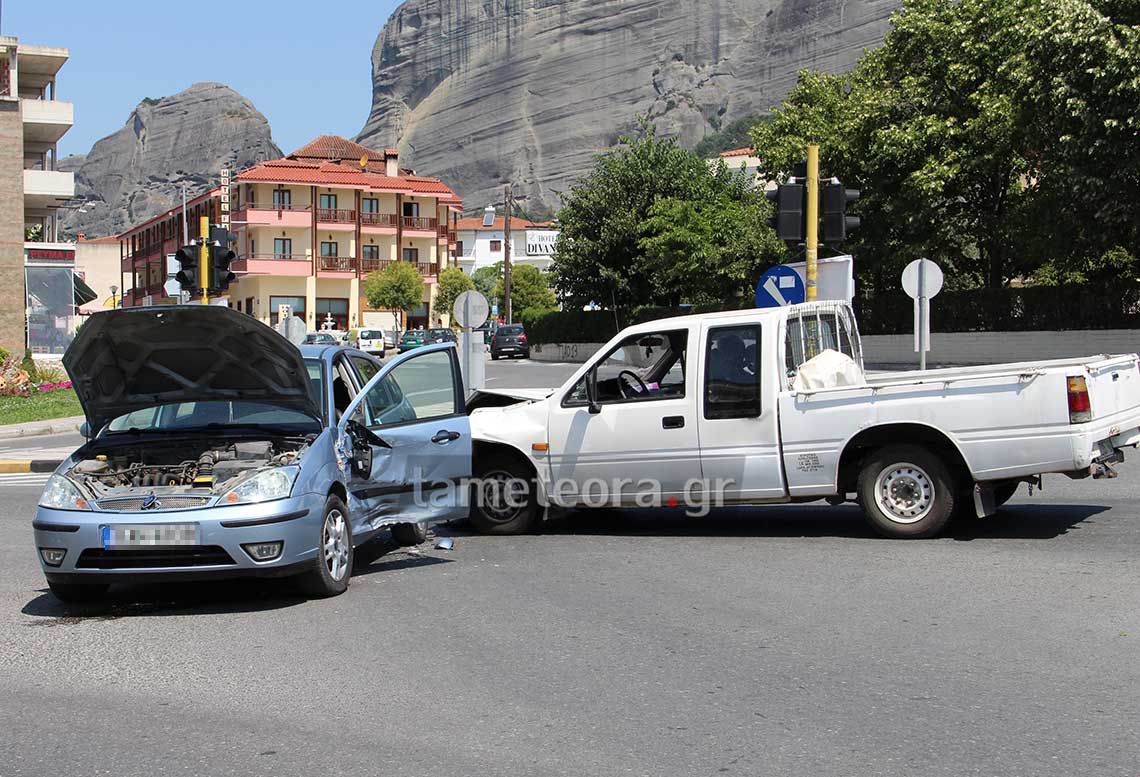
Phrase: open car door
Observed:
(405, 441)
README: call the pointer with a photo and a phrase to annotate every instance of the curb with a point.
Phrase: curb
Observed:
(14, 466)
(37, 428)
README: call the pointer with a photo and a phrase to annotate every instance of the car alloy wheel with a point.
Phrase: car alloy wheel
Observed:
(334, 544)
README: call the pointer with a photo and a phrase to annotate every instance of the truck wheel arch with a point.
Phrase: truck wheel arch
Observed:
(868, 440)
(482, 448)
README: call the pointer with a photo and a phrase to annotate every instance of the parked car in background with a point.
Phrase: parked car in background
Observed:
(510, 340)
(391, 338)
(442, 336)
(371, 341)
(321, 338)
(223, 451)
(413, 338)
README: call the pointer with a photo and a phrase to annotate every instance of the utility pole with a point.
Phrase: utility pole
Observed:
(812, 237)
(204, 257)
(509, 201)
(185, 226)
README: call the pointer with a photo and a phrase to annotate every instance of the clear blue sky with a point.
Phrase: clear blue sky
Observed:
(305, 65)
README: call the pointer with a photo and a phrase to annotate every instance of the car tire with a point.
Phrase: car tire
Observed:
(1004, 492)
(332, 566)
(494, 356)
(74, 593)
(407, 535)
(906, 492)
(501, 477)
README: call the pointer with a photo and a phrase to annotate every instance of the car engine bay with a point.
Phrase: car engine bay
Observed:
(205, 467)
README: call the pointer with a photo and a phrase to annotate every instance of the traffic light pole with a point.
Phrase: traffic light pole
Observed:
(811, 245)
(204, 257)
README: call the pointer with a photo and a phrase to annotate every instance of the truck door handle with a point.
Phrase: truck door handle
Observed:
(444, 436)
(673, 422)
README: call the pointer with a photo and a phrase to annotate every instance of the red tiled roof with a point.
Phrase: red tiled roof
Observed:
(334, 147)
(109, 239)
(476, 223)
(747, 151)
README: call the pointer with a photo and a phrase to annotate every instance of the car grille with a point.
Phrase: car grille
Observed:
(153, 558)
(134, 504)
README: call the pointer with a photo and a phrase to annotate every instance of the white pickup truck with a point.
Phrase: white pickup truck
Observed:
(772, 407)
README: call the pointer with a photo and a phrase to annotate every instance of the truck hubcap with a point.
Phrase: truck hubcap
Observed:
(503, 496)
(904, 493)
(334, 541)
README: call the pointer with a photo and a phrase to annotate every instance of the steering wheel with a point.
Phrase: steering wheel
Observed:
(636, 377)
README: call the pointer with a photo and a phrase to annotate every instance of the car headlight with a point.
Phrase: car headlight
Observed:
(61, 494)
(275, 483)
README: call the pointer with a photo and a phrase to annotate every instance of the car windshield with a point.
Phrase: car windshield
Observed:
(440, 332)
(414, 335)
(213, 414)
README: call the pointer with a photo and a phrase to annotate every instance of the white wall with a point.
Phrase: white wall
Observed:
(477, 251)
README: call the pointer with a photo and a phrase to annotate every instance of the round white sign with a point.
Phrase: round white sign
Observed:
(931, 279)
(471, 309)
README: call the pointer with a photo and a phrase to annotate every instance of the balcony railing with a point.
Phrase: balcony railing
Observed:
(272, 206)
(428, 268)
(378, 219)
(276, 256)
(420, 222)
(338, 263)
(368, 265)
(336, 215)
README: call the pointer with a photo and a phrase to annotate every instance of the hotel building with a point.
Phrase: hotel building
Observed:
(310, 229)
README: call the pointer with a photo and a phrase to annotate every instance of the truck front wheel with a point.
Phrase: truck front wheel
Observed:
(906, 492)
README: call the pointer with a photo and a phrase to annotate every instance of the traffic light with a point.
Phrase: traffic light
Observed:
(221, 256)
(789, 219)
(187, 275)
(836, 222)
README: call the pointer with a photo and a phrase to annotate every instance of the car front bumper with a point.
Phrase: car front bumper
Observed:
(221, 532)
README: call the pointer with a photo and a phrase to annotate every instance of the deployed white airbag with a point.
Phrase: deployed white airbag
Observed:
(829, 369)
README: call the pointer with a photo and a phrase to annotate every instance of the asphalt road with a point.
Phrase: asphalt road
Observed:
(766, 641)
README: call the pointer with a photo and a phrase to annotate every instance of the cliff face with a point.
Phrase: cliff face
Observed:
(481, 92)
(184, 139)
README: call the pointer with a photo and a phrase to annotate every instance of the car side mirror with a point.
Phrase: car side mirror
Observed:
(592, 392)
(85, 430)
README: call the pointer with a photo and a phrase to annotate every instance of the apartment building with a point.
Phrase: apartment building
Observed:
(310, 228)
(38, 288)
(532, 242)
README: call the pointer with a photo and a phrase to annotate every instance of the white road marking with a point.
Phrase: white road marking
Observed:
(24, 479)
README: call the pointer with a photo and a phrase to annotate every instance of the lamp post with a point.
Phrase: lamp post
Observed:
(114, 291)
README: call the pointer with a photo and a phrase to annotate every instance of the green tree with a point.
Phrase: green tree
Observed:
(530, 290)
(709, 251)
(737, 134)
(398, 287)
(485, 279)
(599, 255)
(452, 283)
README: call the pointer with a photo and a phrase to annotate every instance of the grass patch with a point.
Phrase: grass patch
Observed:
(40, 406)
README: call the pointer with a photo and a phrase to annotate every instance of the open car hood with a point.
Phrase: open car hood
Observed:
(134, 358)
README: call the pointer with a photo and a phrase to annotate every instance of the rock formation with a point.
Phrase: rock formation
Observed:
(184, 139)
(479, 93)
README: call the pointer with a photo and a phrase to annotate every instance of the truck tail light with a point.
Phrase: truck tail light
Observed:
(1080, 409)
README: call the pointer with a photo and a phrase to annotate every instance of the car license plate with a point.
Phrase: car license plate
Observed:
(148, 535)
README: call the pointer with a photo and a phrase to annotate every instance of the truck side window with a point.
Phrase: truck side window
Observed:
(643, 367)
(732, 372)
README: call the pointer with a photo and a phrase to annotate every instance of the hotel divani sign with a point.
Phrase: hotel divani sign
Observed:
(540, 242)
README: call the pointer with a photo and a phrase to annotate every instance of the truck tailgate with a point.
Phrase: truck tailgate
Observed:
(1114, 394)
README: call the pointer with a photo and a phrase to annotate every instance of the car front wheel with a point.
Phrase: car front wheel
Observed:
(906, 492)
(409, 534)
(332, 566)
(505, 500)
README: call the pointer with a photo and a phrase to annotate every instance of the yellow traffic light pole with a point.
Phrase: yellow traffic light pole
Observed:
(812, 238)
(204, 256)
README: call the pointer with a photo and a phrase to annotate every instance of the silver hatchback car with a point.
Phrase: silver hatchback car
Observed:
(217, 448)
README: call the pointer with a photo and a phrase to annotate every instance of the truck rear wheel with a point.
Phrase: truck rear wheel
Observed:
(906, 492)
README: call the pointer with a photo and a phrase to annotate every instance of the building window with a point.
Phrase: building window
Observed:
(329, 248)
(370, 252)
(282, 199)
(412, 255)
(282, 248)
(496, 246)
(411, 209)
(370, 205)
(459, 248)
(328, 201)
(253, 247)
(249, 305)
(275, 303)
(334, 308)
(238, 306)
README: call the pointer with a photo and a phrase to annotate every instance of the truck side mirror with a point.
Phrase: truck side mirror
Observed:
(592, 392)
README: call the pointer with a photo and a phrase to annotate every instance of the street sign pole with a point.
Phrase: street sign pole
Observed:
(922, 280)
(811, 243)
(921, 302)
(204, 257)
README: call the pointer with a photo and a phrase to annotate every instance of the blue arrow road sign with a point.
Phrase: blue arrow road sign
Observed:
(780, 286)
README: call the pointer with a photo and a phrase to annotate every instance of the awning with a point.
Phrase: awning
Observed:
(83, 292)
